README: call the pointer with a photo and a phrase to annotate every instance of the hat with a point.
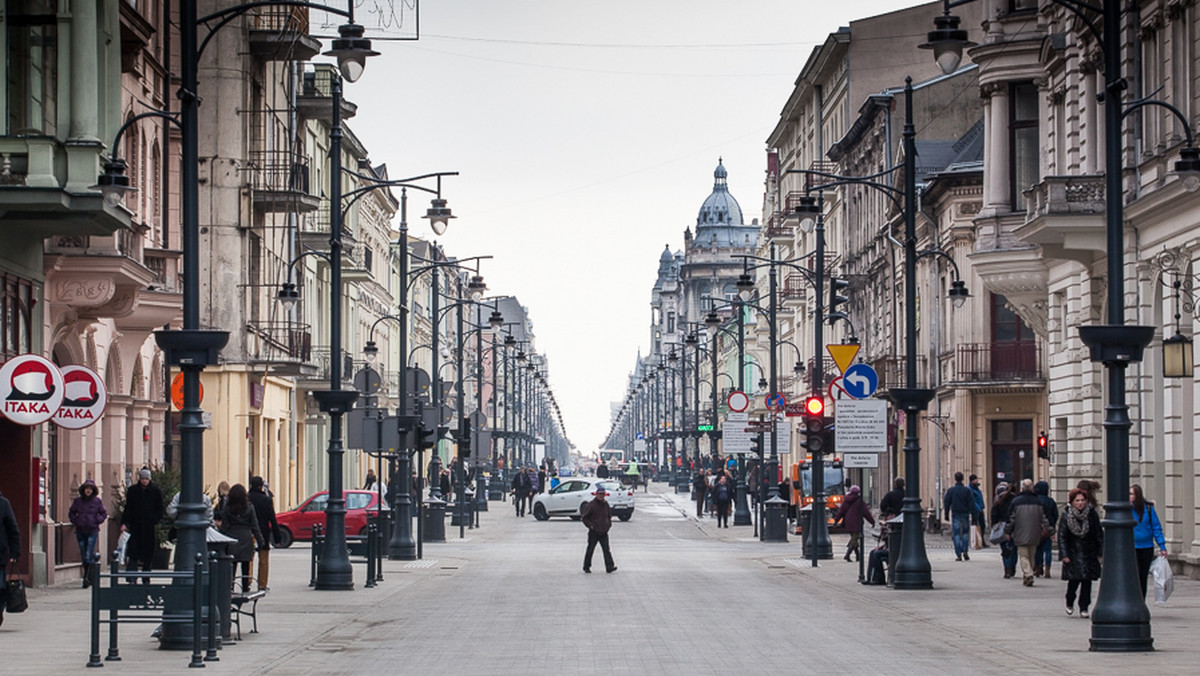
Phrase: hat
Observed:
(256, 482)
(144, 474)
(855, 490)
(599, 490)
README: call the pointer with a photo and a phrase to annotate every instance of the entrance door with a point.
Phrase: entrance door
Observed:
(1012, 451)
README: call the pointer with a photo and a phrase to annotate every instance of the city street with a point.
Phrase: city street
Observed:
(511, 598)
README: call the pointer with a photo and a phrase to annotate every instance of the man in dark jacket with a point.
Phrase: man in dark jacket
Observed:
(521, 487)
(10, 548)
(597, 516)
(893, 501)
(143, 510)
(959, 504)
(264, 510)
(1027, 523)
(1045, 550)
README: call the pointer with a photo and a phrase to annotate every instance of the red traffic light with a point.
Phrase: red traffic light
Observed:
(815, 406)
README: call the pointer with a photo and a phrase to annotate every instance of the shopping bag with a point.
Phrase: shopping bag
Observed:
(976, 537)
(121, 544)
(1164, 580)
(17, 601)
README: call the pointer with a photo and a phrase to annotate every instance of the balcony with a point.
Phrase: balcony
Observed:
(795, 287)
(892, 373)
(114, 277)
(1003, 366)
(315, 100)
(43, 189)
(1065, 216)
(281, 34)
(285, 346)
(279, 180)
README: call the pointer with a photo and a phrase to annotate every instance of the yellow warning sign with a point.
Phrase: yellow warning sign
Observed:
(842, 355)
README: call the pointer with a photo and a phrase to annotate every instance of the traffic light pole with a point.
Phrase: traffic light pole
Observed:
(816, 541)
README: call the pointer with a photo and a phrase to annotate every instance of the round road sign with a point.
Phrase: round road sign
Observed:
(31, 389)
(737, 401)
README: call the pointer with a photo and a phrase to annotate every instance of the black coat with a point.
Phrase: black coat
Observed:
(10, 543)
(1084, 552)
(264, 511)
(143, 510)
(243, 525)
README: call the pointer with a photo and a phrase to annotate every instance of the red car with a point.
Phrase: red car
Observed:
(297, 524)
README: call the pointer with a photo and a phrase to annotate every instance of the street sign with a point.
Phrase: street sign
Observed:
(861, 426)
(853, 460)
(177, 391)
(776, 401)
(794, 409)
(367, 381)
(737, 401)
(842, 355)
(860, 381)
(837, 390)
(734, 437)
(704, 428)
(84, 398)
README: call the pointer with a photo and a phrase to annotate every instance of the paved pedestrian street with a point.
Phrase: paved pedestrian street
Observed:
(511, 598)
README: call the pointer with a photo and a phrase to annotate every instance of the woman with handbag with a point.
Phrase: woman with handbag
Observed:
(241, 522)
(10, 548)
(1080, 546)
(999, 517)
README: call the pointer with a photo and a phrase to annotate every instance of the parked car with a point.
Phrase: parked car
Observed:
(570, 496)
(297, 524)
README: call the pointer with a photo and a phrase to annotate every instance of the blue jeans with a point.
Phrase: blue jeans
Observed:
(961, 529)
(1045, 555)
(87, 546)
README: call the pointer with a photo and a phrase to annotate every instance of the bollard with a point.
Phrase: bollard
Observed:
(371, 530)
(210, 654)
(197, 605)
(113, 654)
(318, 541)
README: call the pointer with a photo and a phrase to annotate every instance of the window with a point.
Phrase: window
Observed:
(1182, 62)
(32, 67)
(16, 316)
(670, 322)
(1023, 138)
(1006, 325)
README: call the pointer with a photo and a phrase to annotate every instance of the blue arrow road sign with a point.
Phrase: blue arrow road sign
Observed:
(860, 381)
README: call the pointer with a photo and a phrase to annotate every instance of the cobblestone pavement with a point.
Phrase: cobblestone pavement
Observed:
(511, 598)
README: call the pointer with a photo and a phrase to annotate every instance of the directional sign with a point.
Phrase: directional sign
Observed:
(860, 381)
(737, 401)
(860, 460)
(861, 426)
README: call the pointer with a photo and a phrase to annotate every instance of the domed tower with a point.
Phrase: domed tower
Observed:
(709, 270)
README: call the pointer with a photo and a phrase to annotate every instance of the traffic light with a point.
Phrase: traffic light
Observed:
(836, 285)
(814, 425)
(1043, 446)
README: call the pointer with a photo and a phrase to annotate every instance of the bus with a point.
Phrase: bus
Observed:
(835, 486)
(608, 457)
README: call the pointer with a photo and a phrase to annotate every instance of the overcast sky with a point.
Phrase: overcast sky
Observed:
(586, 134)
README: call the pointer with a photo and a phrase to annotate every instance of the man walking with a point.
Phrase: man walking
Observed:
(1027, 523)
(10, 548)
(959, 504)
(143, 510)
(520, 489)
(979, 516)
(597, 516)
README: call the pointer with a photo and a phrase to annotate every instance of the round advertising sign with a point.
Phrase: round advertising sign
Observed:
(84, 398)
(177, 391)
(31, 389)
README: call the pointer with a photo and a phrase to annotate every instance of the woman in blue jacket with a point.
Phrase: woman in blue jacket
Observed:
(1147, 532)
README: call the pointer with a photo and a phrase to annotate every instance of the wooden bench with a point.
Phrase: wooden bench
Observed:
(238, 605)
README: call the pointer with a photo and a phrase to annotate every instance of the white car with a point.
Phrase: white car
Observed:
(569, 498)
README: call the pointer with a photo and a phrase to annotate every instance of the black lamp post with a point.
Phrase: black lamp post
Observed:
(191, 348)
(1120, 619)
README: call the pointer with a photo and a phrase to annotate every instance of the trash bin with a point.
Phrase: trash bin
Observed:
(775, 520)
(222, 576)
(895, 527)
(435, 520)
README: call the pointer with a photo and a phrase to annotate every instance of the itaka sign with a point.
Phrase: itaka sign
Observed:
(84, 398)
(31, 389)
